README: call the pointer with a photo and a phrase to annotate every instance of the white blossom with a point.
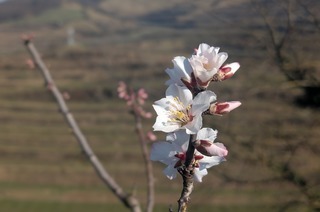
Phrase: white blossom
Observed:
(206, 63)
(180, 72)
(172, 153)
(179, 110)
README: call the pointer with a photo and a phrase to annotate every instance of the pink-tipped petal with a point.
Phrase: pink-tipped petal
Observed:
(233, 105)
(220, 108)
(226, 72)
(220, 149)
(208, 148)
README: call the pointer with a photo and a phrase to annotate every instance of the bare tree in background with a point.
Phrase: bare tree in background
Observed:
(286, 23)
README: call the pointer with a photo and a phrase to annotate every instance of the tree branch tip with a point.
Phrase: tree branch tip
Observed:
(27, 38)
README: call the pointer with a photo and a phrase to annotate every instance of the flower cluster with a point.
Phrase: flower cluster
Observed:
(181, 112)
(135, 100)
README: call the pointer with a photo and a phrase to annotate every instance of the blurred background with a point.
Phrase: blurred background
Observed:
(90, 45)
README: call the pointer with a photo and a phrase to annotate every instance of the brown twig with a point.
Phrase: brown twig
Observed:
(187, 172)
(147, 161)
(128, 200)
(312, 15)
(135, 102)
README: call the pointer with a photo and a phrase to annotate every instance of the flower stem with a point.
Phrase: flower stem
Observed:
(189, 153)
(187, 172)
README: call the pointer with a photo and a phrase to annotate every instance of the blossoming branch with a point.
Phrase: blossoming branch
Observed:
(190, 149)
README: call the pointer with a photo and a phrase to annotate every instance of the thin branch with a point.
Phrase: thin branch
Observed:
(128, 200)
(147, 161)
(135, 102)
(187, 177)
(187, 172)
(278, 44)
(314, 20)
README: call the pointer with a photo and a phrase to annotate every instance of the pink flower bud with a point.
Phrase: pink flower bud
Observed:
(129, 102)
(220, 108)
(66, 95)
(141, 112)
(122, 91)
(140, 101)
(30, 63)
(208, 148)
(151, 136)
(147, 115)
(123, 95)
(142, 93)
(27, 37)
(226, 72)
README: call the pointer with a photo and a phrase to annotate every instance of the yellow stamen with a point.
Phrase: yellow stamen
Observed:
(179, 113)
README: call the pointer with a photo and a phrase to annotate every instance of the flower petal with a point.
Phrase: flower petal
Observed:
(208, 162)
(222, 57)
(226, 72)
(170, 172)
(202, 48)
(202, 101)
(182, 92)
(181, 69)
(179, 138)
(209, 148)
(194, 126)
(220, 108)
(160, 151)
(183, 65)
(207, 134)
(162, 124)
(160, 106)
(233, 67)
(199, 174)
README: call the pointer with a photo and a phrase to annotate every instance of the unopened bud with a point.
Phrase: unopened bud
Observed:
(209, 148)
(30, 63)
(220, 108)
(142, 93)
(122, 91)
(141, 112)
(147, 115)
(226, 72)
(151, 136)
(27, 37)
(66, 95)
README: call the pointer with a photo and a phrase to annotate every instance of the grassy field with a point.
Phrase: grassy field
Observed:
(41, 165)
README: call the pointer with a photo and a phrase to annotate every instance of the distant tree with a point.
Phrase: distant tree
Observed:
(289, 24)
(286, 23)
